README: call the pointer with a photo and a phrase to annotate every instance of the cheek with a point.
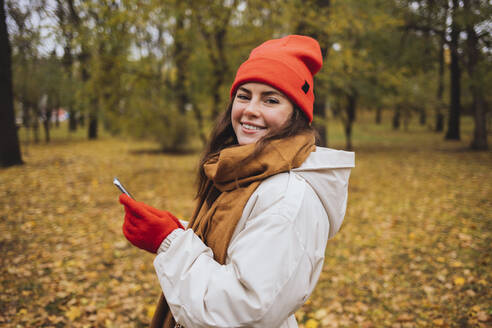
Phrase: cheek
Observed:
(278, 119)
(235, 113)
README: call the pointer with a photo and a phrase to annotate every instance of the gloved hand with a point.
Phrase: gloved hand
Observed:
(145, 226)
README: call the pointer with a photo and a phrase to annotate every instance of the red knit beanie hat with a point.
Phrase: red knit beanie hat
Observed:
(287, 64)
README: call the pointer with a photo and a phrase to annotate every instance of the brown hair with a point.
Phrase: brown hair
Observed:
(223, 136)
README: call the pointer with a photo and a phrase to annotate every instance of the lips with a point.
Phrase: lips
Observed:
(250, 126)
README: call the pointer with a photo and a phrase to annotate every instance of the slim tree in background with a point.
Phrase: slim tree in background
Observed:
(64, 19)
(474, 59)
(307, 26)
(439, 124)
(214, 20)
(9, 141)
(453, 132)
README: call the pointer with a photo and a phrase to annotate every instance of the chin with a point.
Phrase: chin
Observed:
(248, 140)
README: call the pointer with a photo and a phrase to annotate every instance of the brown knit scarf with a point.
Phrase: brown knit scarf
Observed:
(230, 186)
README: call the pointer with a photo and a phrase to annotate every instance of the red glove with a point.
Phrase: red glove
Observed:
(145, 226)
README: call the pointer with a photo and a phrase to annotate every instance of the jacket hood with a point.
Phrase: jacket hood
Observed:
(327, 171)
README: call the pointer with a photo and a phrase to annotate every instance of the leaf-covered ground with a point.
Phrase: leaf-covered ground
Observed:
(414, 250)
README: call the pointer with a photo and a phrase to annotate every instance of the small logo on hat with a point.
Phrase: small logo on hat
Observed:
(305, 87)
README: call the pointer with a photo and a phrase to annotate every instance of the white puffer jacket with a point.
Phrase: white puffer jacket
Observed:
(275, 255)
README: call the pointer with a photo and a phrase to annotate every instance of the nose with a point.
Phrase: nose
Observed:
(251, 109)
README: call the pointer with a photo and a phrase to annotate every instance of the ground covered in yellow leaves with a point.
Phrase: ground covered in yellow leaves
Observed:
(414, 250)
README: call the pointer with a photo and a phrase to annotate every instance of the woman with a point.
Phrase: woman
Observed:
(268, 201)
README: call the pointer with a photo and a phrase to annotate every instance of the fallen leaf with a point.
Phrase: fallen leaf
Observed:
(405, 317)
(482, 316)
(475, 308)
(73, 313)
(456, 264)
(311, 323)
(438, 322)
(320, 314)
(459, 281)
(150, 310)
(22, 312)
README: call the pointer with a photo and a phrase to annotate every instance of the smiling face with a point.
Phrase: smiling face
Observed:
(257, 110)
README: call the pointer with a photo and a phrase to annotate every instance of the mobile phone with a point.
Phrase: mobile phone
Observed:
(120, 186)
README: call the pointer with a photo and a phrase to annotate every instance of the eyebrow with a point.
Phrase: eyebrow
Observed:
(264, 93)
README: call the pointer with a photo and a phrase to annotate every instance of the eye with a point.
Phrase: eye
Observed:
(242, 96)
(272, 101)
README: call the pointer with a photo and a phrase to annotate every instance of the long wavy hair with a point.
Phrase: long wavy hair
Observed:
(223, 136)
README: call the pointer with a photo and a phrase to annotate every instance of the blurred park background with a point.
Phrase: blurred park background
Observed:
(95, 89)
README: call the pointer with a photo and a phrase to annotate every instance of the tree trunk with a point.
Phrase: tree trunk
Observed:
(83, 58)
(57, 118)
(422, 116)
(439, 127)
(67, 64)
(92, 131)
(9, 141)
(219, 71)
(181, 56)
(67, 60)
(320, 109)
(35, 123)
(396, 117)
(72, 120)
(406, 119)
(218, 59)
(378, 115)
(93, 103)
(319, 106)
(26, 115)
(479, 141)
(439, 122)
(215, 43)
(453, 132)
(305, 27)
(200, 121)
(46, 124)
(92, 128)
(81, 120)
(351, 107)
(348, 136)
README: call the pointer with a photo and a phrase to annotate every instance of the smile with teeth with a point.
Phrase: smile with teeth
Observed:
(252, 127)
